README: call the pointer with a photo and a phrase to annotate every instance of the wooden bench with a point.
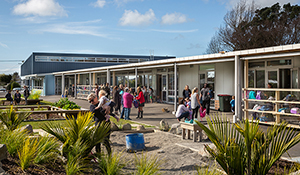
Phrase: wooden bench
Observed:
(64, 113)
(14, 102)
(191, 127)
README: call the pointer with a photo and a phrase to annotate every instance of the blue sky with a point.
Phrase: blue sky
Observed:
(168, 27)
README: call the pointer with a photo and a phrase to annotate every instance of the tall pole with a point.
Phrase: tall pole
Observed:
(108, 76)
(237, 90)
(175, 86)
(63, 85)
(90, 81)
(75, 87)
(135, 78)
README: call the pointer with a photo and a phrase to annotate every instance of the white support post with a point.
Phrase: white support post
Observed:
(237, 90)
(136, 79)
(75, 87)
(175, 87)
(108, 77)
(63, 85)
(90, 82)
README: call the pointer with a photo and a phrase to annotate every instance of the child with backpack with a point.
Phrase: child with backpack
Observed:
(104, 101)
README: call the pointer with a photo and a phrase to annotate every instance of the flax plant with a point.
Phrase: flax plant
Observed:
(13, 140)
(11, 119)
(47, 150)
(27, 153)
(111, 164)
(147, 165)
(243, 148)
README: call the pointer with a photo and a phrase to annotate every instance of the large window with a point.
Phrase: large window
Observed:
(87, 59)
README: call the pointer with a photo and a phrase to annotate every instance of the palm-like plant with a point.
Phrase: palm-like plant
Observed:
(244, 148)
(82, 129)
(11, 119)
(111, 164)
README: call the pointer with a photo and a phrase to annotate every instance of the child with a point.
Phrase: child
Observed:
(188, 103)
(17, 97)
(104, 101)
(232, 103)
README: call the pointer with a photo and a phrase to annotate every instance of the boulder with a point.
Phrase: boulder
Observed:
(174, 127)
(3, 152)
(163, 125)
(27, 128)
(140, 128)
(114, 127)
(126, 126)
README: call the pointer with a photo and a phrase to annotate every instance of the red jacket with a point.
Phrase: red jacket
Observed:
(140, 97)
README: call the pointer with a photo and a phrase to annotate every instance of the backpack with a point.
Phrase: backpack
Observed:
(258, 97)
(135, 103)
(252, 95)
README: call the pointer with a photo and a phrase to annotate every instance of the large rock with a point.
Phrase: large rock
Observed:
(126, 126)
(114, 127)
(27, 128)
(174, 127)
(140, 128)
(163, 125)
(3, 152)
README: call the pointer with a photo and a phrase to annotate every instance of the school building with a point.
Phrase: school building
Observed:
(233, 73)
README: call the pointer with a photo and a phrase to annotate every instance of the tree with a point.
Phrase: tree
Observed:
(247, 27)
(5, 78)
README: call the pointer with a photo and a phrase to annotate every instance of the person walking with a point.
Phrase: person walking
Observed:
(99, 117)
(195, 103)
(186, 92)
(127, 102)
(107, 90)
(205, 97)
(17, 97)
(26, 94)
(141, 99)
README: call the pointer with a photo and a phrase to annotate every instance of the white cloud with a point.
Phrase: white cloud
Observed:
(3, 45)
(39, 8)
(99, 3)
(173, 18)
(74, 28)
(134, 18)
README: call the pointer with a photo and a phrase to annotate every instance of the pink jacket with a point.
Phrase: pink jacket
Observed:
(127, 100)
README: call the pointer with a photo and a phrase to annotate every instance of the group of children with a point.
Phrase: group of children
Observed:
(17, 97)
(185, 111)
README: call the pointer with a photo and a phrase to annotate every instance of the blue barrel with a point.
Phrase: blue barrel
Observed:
(135, 142)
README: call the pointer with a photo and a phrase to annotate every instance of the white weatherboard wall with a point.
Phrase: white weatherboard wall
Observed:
(187, 76)
(224, 79)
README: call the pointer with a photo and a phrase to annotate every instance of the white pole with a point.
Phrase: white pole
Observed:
(75, 87)
(136, 78)
(63, 85)
(90, 81)
(237, 89)
(175, 87)
(108, 76)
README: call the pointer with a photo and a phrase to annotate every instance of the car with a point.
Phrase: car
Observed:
(2, 89)
(15, 89)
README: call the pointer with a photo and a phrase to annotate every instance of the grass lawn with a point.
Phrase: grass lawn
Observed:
(38, 124)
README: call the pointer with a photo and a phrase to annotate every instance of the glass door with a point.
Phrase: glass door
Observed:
(164, 88)
(202, 79)
(272, 78)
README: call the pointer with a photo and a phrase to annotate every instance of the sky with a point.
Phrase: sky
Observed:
(164, 27)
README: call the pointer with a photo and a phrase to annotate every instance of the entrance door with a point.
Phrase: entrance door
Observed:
(164, 88)
(272, 78)
(202, 81)
(285, 78)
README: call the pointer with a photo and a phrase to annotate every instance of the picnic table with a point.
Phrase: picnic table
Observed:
(188, 127)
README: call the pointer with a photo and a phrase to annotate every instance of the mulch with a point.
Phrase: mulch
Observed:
(43, 117)
(281, 167)
(10, 165)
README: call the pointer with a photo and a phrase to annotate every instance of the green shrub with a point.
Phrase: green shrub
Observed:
(145, 165)
(35, 94)
(65, 103)
(243, 148)
(12, 85)
(11, 119)
(13, 140)
(111, 164)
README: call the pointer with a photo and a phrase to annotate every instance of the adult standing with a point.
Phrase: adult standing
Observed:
(141, 100)
(97, 89)
(116, 99)
(205, 97)
(121, 92)
(99, 117)
(107, 90)
(17, 97)
(127, 101)
(195, 102)
(26, 94)
(186, 92)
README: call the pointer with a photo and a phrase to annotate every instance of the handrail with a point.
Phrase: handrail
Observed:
(270, 89)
